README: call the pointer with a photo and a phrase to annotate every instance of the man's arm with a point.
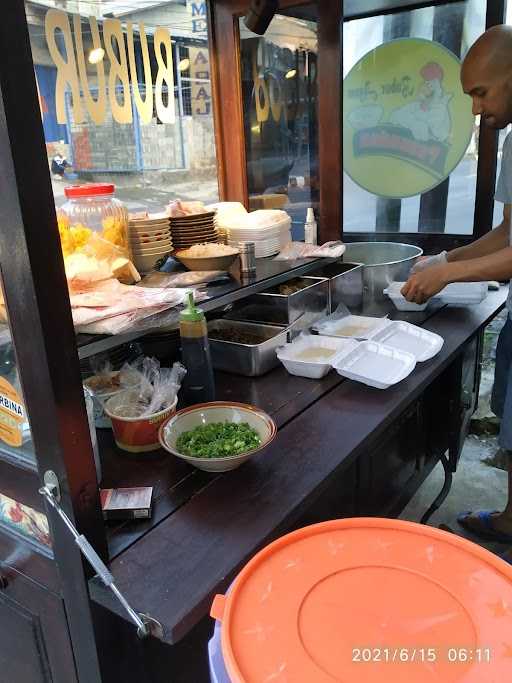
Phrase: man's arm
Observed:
(497, 239)
(489, 258)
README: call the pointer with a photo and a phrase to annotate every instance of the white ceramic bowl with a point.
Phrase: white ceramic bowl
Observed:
(148, 221)
(148, 239)
(217, 411)
(154, 248)
(147, 262)
(149, 230)
(206, 262)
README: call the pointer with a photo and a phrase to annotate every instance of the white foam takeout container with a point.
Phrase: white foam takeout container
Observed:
(456, 294)
(350, 327)
(288, 353)
(403, 336)
(376, 365)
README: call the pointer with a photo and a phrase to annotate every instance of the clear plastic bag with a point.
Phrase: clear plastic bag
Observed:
(155, 390)
(300, 250)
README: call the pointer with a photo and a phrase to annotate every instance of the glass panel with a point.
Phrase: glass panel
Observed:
(15, 438)
(150, 160)
(449, 207)
(279, 73)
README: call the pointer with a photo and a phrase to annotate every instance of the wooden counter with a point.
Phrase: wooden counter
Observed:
(205, 528)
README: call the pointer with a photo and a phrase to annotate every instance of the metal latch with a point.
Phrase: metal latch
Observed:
(51, 492)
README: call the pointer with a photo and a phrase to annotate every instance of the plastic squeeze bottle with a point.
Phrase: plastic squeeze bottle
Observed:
(198, 384)
(310, 228)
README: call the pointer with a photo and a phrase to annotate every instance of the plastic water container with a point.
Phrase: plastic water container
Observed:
(317, 605)
(218, 672)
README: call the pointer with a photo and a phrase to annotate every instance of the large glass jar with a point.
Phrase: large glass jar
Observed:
(93, 221)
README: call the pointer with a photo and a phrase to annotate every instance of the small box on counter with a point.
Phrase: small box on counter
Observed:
(128, 503)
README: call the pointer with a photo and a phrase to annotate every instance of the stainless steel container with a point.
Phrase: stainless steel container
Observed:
(345, 285)
(301, 308)
(247, 257)
(383, 263)
(250, 360)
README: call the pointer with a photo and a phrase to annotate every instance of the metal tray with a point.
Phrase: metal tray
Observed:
(345, 285)
(247, 359)
(308, 305)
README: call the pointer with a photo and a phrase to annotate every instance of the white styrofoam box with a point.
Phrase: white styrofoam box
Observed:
(351, 326)
(376, 365)
(403, 336)
(464, 293)
(457, 294)
(401, 303)
(309, 368)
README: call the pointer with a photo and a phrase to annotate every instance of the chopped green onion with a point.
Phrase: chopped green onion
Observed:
(218, 440)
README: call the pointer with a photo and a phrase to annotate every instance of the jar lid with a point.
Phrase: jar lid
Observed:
(369, 600)
(89, 190)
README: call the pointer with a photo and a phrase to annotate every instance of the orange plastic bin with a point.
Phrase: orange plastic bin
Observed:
(369, 600)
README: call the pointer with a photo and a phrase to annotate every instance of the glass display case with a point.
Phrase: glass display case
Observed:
(54, 624)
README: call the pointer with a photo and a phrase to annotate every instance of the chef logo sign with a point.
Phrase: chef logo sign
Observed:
(406, 121)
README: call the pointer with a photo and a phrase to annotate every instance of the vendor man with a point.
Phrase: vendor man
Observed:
(487, 77)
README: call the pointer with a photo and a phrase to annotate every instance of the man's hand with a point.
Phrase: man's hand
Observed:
(425, 262)
(420, 287)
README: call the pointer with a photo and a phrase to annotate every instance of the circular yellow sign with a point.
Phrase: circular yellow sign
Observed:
(406, 120)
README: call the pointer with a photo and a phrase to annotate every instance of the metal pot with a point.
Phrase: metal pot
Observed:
(383, 263)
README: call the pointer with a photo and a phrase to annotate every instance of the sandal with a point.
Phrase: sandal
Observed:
(487, 531)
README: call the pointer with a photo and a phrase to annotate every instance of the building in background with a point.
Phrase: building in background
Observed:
(162, 155)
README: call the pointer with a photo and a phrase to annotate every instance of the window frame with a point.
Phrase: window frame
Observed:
(487, 145)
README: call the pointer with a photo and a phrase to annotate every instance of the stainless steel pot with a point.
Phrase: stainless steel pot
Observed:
(383, 263)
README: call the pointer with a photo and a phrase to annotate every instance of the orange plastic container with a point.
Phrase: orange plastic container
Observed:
(369, 601)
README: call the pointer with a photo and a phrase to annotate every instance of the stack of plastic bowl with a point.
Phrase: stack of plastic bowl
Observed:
(195, 229)
(150, 241)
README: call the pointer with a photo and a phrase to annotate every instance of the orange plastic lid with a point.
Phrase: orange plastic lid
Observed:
(369, 600)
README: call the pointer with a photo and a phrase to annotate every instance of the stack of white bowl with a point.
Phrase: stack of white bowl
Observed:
(270, 230)
(150, 241)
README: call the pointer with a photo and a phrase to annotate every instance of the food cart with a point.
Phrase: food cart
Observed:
(342, 449)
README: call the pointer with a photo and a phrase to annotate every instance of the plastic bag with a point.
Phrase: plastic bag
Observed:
(140, 320)
(188, 279)
(300, 250)
(179, 209)
(156, 387)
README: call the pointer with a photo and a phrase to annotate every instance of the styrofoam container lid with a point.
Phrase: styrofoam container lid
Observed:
(314, 368)
(309, 606)
(464, 293)
(376, 365)
(351, 326)
(456, 294)
(403, 336)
